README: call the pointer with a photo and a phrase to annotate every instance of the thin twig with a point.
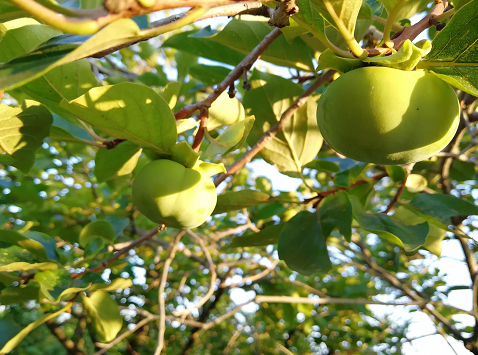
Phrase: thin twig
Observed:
(212, 270)
(123, 251)
(252, 278)
(162, 286)
(235, 74)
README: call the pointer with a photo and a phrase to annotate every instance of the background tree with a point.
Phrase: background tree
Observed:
(92, 96)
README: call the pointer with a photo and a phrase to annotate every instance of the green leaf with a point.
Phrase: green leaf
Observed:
(454, 57)
(170, 93)
(105, 315)
(13, 342)
(266, 236)
(184, 154)
(118, 223)
(101, 228)
(209, 74)
(233, 137)
(442, 207)
(20, 36)
(185, 124)
(302, 245)
(9, 11)
(336, 212)
(66, 49)
(128, 111)
(48, 243)
(407, 56)
(203, 47)
(329, 60)
(310, 18)
(55, 284)
(323, 165)
(346, 10)
(300, 140)
(8, 328)
(58, 133)
(243, 36)
(224, 111)
(435, 236)
(116, 162)
(18, 294)
(116, 284)
(66, 82)
(22, 133)
(396, 172)
(15, 238)
(233, 201)
(23, 266)
(409, 237)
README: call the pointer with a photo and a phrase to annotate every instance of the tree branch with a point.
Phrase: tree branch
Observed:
(162, 286)
(123, 251)
(235, 74)
(271, 133)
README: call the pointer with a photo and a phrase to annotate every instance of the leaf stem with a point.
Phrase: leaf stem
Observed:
(390, 21)
(52, 18)
(348, 37)
(395, 26)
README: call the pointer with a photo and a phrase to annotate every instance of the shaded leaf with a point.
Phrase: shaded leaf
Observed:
(8, 328)
(13, 342)
(233, 201)
(101, 228)
(336, 212)
(266, 236)
(18, 294)
(442, 207)
(302, 245)
(21, 134)
(233, 137)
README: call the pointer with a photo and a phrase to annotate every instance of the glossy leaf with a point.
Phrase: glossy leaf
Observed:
(233, 137)
(435, 236)
(302, 245)
(100, 228)
(453, 57)
(300, 140)
(104, 314)
(442, 207)
(128, 111)
(224, 111)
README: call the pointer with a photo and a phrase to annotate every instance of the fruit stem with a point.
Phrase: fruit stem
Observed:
(348, 37)
(390, 22)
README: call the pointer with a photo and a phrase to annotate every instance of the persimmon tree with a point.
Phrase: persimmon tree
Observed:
(94, 91)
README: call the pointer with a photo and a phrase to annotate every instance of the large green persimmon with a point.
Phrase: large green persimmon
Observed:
(388, 116)
(167, 192)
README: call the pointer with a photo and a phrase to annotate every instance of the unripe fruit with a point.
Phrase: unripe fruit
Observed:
(167, 192)
(388, 116)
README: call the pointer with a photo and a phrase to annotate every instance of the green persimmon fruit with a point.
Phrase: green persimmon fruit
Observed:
(388, 116)
(167, 192)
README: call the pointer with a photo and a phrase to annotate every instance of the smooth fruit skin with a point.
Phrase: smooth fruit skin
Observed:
(388, 116)
(167, 192)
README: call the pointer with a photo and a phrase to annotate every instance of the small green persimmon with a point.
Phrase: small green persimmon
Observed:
(388, 116)
(167, 192)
